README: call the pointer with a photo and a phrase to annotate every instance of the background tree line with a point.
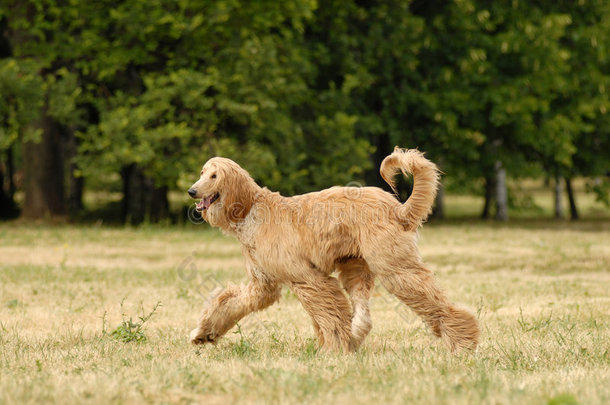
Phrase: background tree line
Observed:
(137, 94)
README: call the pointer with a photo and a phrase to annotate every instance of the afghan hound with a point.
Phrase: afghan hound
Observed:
(362, 233)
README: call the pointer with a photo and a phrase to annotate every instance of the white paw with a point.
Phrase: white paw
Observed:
(194, 336)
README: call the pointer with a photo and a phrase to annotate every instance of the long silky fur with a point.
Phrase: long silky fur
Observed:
(363, 234)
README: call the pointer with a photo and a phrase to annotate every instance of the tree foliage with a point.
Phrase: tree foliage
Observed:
(308, 94)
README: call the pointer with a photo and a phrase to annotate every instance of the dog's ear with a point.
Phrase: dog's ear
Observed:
(239, 191)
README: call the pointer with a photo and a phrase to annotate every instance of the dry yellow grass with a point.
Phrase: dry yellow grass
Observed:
(541, 291)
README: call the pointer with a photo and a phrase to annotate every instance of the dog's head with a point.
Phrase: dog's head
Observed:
(226, 192)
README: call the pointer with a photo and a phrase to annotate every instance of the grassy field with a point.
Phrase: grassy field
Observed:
(541, 290)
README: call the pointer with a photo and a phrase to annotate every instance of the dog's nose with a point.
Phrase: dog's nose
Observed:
(192, 192)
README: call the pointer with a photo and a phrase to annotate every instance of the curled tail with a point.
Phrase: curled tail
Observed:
(425, 183)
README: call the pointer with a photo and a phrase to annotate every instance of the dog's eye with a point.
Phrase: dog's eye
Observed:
(213, 176)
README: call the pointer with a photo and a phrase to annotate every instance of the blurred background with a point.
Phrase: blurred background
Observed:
(108, 109)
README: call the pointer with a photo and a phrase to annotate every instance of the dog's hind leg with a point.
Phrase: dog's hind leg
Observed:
(403, 274)
(231, 305)
(318, 330)
(323, 299)
(358, 281)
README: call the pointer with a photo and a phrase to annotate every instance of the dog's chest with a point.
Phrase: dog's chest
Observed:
(245, 230)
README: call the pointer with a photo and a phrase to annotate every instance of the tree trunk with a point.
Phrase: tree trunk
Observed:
(558, 195)
(125, 175)
(8, 208)
(5, 201)
(44, 173)
(573, 210)
(141, 199)
(489, 194)
(76, 182)
(75, 195)
(10, 173)
(501, 194)
(133, 195)
(159, 204)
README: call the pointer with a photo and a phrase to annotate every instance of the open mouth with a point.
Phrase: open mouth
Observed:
(205, 203)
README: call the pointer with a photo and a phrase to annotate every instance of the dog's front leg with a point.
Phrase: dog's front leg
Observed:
(231, 305)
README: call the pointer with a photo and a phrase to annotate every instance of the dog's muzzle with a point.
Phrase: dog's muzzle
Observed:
(205, 202)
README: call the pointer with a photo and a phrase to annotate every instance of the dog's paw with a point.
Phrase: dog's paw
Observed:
(199, 337)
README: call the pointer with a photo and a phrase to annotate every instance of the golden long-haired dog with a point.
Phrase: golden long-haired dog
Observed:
(362, 233)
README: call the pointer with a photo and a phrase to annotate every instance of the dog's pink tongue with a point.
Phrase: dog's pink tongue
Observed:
(206, 202)
(200, 205)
